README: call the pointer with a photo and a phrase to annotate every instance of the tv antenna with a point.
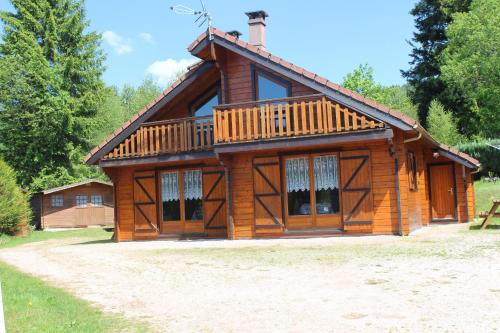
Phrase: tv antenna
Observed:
(203, 15)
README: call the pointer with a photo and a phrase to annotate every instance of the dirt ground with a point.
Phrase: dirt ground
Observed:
(441, 279)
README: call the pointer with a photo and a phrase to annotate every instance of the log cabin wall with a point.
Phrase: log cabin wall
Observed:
(71, 216)
(383, 180)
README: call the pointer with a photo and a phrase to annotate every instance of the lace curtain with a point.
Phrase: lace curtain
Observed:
(297, 174)
(170, 186)
(192, 185)
(325, 173)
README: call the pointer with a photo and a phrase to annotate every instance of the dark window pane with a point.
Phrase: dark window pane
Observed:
(193, 209)
(327, 201)
(268, 89)
(172, 210)
(299, 203)
(205, 109)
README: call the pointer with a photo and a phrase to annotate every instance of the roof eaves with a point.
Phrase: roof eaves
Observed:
(84, 182)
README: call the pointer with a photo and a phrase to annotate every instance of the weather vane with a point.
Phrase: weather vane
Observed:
(203, 15)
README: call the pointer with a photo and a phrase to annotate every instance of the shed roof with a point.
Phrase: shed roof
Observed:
(84, 182)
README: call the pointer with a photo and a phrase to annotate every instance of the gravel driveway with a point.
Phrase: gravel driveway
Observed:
(444, 278)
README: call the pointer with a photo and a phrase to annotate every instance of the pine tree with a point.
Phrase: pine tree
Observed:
(431, 19)
(50, 86)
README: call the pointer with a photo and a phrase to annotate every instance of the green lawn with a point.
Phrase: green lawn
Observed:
(485, 193)
(36, 236)
(32, 305)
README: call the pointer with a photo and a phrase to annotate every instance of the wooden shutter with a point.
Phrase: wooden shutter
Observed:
(214, 200)
(357, 208)
(145, 210)
(267, 192)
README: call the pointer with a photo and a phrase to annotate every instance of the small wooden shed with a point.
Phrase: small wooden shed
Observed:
(82, 204)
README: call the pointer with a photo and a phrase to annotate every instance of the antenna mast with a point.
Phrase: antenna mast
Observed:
(203, 15)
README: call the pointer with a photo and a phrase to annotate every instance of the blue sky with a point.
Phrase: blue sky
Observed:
(330, 38)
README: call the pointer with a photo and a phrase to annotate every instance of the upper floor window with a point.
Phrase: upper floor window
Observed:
(57, 200)
(270, 86)
(204, 103)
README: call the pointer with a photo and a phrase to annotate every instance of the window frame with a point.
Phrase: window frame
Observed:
(92, 200)
(53, 196)
(314, 216)
(411, 160)
(182, 205)
(256, 71)
(204, 97)
(81, 196)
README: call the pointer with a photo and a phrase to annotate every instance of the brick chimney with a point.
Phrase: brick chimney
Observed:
(257, 28)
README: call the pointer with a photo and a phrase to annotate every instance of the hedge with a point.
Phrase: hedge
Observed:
(487, 155)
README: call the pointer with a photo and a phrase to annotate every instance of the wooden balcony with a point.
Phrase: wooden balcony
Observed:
(285, 118)
(296, 117)
(167, 137)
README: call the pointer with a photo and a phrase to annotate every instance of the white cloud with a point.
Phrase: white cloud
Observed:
(117, 42)
(147, 37)
(166, 71)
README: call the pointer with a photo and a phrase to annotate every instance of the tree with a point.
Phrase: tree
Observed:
(362, 81)
(471, 62)
(431, 20)
(441, 125)
(118, 107)
(50, 85)
(14, 208)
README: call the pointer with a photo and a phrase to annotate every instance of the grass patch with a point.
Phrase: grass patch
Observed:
(96, 234)
(31, 305)
(485, 192)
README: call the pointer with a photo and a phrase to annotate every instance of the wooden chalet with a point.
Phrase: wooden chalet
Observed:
(248, 145)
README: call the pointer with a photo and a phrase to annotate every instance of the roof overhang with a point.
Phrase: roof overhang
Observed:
(85, 182)
(129, 129)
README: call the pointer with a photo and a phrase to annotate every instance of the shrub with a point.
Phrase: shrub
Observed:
(14, 208)
(487, 155)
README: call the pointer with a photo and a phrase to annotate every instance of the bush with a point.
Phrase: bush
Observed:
(14, 208)
(487, 155)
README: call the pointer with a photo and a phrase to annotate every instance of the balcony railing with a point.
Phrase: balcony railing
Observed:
(282, 118)
(167, 137)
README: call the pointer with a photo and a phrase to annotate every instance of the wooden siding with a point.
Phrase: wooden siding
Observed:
(70, 216)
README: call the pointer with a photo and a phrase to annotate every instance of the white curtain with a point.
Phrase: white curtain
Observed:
(193, 185)
(325, 173)
(297, 174)
(170, 186)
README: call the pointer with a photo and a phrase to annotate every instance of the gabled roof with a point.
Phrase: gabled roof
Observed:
(65, 187)
(334, 91)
